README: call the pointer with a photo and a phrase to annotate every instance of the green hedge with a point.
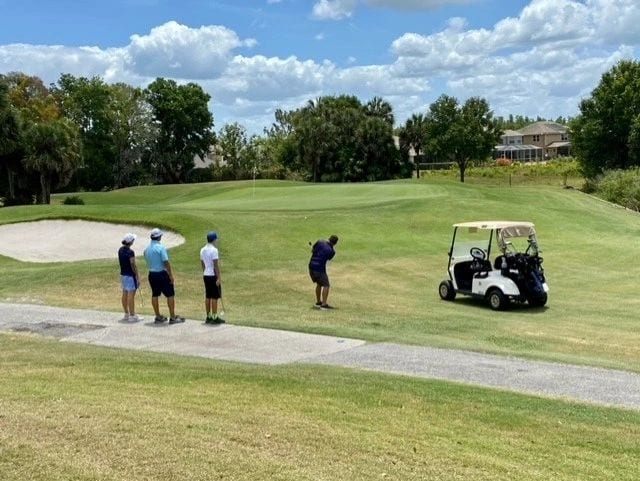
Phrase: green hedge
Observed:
(621, 187)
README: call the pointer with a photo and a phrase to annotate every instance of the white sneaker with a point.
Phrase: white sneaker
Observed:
(125, 318)
(135, 318)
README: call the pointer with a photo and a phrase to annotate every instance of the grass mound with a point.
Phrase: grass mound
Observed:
(392, 255)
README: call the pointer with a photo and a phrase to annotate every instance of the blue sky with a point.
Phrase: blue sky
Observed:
(530, 57)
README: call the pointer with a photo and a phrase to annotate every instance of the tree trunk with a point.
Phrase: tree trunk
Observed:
(463, 167)
(12, 189)
(46, 189)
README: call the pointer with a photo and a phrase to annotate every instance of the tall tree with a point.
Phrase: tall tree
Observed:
(376, 154)
(53, 152)
(10, 139)
(31, 98)
(414, 135)
(134, 134)
(462, 134)
(606, 134)
(185, 127)
(232, 141)
(378, 107)
(332, 140)
(88, 103)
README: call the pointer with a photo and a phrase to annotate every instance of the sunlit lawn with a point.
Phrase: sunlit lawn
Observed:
(391, 257)
(72, 412)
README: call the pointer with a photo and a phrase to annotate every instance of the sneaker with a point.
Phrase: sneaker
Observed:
(135, 318)
(326, 307)
(318, 305)
(125, 318)
(219, 320)
(176, 320)
(160, 319)
(210, 320)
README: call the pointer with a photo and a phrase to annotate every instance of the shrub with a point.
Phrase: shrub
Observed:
(621, 187)
(73, 200)
(503, 162)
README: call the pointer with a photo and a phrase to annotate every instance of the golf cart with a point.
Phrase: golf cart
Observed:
(514, 274)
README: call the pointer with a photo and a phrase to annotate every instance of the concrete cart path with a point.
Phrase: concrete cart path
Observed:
(269, 346)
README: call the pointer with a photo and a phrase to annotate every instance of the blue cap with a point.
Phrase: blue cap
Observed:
(211, 236)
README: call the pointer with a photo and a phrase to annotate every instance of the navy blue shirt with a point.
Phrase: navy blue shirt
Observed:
(124, 257)
(321, 252)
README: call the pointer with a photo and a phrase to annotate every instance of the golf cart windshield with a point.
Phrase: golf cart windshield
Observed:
(513, 236)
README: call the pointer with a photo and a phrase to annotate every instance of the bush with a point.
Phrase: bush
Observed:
(73, 200)
(200, 174)
(621, 187)
(503, 162)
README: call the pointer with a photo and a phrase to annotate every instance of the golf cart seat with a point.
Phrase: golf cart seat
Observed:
(479, 267)
(498, 262)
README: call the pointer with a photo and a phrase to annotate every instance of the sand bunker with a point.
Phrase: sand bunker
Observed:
(73, 240)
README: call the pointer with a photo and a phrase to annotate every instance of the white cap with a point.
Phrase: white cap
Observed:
(128, 238)
(156, 233)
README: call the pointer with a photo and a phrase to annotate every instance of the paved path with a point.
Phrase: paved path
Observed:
(270, 346)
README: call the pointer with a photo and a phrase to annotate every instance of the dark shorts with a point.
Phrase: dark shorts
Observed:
(161, 284)
(211, 290)
(320, 278)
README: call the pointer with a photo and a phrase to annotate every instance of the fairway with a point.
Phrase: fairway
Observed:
(72, 412)
(392, 254)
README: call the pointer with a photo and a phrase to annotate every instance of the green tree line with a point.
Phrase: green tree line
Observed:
(84, 134)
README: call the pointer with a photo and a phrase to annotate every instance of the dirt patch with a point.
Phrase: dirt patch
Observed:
(54, 329)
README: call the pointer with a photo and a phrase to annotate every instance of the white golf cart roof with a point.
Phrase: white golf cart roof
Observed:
(496, 224)
(506, 229)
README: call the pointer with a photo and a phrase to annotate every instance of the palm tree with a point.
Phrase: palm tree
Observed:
(414, 134)
(53, 152)
(378, 107)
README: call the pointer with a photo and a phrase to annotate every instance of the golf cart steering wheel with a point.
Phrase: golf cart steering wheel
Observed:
(478, 254)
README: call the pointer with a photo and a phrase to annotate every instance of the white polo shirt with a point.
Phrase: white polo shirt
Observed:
(208, 254)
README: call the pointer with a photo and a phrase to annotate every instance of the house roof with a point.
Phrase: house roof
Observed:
(544, 127)
(511, 133)
(555, 145)
(511, 147)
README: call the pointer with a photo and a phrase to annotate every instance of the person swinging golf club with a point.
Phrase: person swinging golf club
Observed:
(322, 252)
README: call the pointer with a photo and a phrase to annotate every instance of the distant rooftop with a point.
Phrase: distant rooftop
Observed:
(544, 127)
(512, 133)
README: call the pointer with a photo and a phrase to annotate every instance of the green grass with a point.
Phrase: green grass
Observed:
(71, 412)
(390, 260)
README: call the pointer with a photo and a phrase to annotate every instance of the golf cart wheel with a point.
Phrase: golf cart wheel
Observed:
(446, 291)
(497, 300)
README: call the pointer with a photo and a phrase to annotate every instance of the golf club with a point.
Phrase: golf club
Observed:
(221, 307)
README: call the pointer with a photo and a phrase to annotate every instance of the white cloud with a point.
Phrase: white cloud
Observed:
(48, 62)
(173, 49)
(340, 9)
(540, 62)
(333, 9)
(416, 4)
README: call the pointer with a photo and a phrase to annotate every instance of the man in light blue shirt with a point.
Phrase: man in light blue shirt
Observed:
(160, 278)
